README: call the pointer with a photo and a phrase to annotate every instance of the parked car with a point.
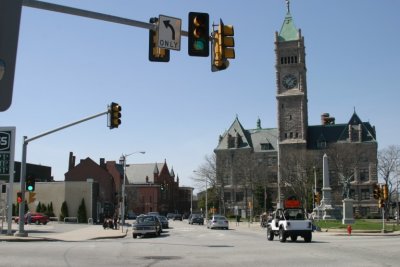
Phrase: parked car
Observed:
(164, 222)
(170, 215)
(145, 225)
(131, 215)
(218, 221)
(196, 218)
(177, 217)
(36, 217)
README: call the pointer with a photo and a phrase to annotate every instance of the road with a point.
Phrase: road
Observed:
(193, 245)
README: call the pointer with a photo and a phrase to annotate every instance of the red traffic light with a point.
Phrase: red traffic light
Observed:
(19, 197)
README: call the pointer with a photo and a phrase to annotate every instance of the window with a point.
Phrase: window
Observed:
(266, 146)
(364, 175)
(365, 195)
(321, 144)
(239, 196)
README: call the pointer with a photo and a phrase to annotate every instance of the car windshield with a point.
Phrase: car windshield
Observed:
(145, 219)
(219, 218)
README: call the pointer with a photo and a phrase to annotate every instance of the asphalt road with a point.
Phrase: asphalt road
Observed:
(194, 245)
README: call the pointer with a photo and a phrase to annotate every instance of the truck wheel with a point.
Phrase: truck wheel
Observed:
(270, 234)
(293, 238)
(282, 236)
(308, 237)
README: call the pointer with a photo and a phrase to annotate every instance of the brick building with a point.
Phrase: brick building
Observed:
(252, 159)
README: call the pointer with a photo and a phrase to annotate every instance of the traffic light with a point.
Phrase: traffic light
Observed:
(156, 54)
(19, 197)
(223, 47)
(10, 17)
(198, 35)
(385, 192)
(381, 203)
(317, 198)
(377, 191)
(30, 183)
(115, 115)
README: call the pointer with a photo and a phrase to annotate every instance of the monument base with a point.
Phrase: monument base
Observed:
(348, 217)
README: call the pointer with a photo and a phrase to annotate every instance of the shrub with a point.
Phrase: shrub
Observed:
(82, 217)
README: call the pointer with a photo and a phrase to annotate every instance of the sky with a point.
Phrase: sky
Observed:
(69, 68)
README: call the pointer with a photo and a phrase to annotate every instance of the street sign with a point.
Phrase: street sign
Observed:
(5, 150)
(169, 33)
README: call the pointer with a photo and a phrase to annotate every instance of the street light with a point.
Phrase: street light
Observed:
(122, 160)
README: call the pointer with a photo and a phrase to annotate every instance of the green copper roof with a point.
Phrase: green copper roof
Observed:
(288, 31)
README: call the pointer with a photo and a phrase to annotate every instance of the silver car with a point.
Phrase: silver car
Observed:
(218, 221)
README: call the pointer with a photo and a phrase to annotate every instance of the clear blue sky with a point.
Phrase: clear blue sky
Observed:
(71, 67)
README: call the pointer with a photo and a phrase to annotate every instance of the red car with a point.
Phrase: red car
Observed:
(36, 217)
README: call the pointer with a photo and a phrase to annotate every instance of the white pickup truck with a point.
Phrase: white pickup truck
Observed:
(289, 222)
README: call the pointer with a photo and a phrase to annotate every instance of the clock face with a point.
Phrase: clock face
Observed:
(289, 81)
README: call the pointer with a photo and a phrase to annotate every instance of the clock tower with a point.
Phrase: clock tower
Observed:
(291, 82)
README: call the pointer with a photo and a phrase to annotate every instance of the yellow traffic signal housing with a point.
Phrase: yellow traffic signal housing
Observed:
(223, 47)
(317, 198)
(198, 35)
(377, 191)
(156, 54)
(115, 115)
(381, 203)
(385, 192)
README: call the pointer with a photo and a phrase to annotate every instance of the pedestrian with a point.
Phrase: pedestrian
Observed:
(115, 222)
(29, 217)
(237, 220)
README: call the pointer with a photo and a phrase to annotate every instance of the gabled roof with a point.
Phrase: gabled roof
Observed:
(253, 138)
(137, 173)
(333, 133)
(235, 129)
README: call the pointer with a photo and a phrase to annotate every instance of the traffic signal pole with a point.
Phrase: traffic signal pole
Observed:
(21, 232)
(91, 15)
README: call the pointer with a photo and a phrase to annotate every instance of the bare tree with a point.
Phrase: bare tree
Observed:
(206, 171)
(388, 169)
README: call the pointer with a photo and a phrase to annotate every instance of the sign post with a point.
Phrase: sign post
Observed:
(7, 152)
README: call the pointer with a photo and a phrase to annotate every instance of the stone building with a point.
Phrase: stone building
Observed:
(254, 160)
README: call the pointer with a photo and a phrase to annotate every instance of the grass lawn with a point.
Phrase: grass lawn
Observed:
(359, 224)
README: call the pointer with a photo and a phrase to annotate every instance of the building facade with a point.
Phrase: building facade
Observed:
(257, 168)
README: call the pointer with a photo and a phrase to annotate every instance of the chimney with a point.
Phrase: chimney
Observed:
(71, 161)
(326, 119)
(103, 163)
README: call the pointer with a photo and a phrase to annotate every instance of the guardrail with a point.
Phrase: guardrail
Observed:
(70, 219)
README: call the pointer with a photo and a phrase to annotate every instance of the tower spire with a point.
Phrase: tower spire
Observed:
(288, 6)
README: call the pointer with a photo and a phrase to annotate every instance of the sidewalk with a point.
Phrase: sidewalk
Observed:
(87, 232)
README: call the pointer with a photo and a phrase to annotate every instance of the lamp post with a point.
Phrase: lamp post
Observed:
(122, 160)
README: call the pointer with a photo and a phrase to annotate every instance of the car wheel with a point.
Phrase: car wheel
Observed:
(282, 236)
(308, 237)
(134, 236)
(270, 234)
(44, 223)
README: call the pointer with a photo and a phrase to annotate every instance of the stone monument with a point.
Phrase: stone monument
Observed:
(348, 217)
(325, 208)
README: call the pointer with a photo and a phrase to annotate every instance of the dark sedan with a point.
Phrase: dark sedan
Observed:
(196, 219)
(146, 224)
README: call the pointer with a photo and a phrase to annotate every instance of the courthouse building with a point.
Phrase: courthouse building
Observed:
(250, 159)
